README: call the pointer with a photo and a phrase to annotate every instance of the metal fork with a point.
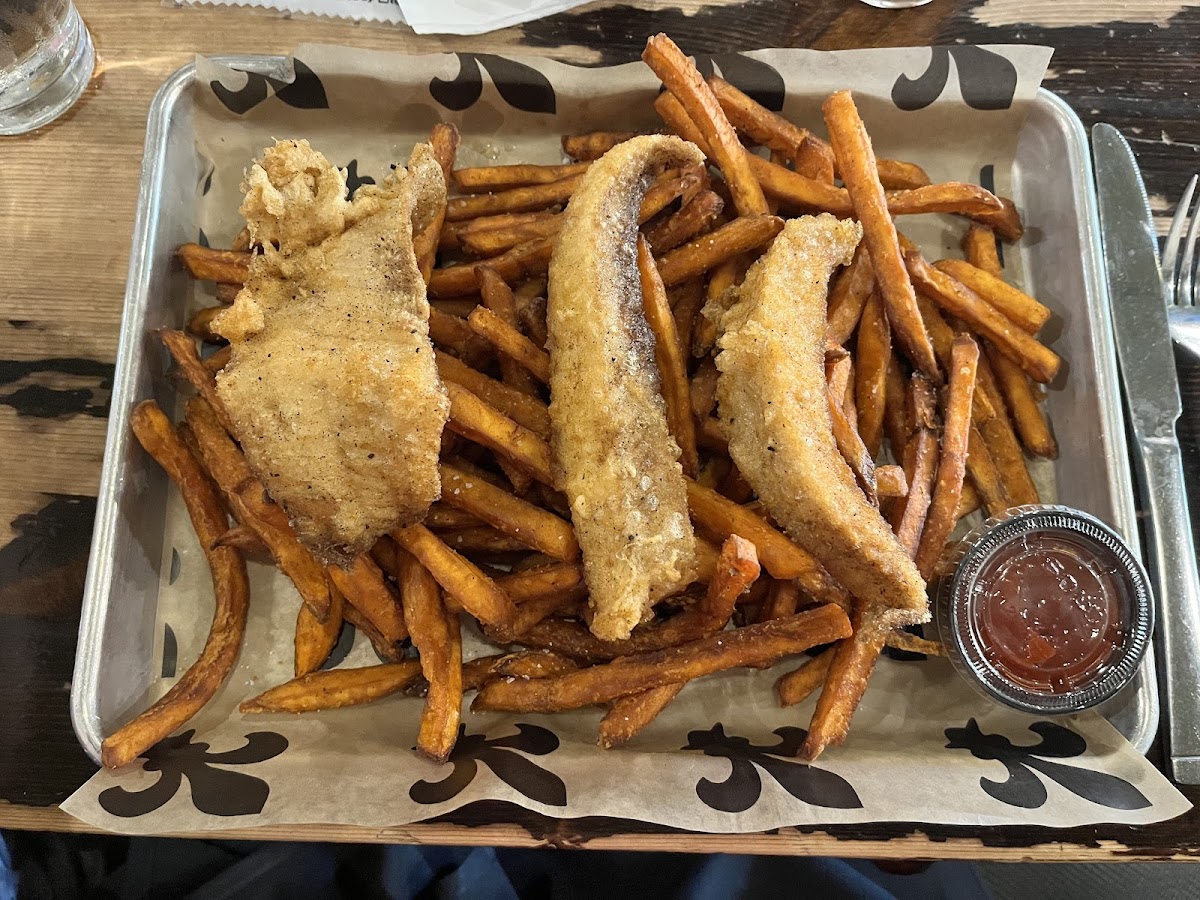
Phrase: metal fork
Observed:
(1181, 288)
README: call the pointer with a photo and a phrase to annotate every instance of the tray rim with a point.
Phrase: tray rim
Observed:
(98, 584)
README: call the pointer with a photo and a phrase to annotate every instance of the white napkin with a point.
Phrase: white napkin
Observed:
(423, 16)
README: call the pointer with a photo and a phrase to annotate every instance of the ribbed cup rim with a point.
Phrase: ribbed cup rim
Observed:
(953, 604)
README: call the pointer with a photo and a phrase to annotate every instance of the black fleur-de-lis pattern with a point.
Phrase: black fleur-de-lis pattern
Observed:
(1023, 788)
(304, 91)
(215, 790)
(502, 757)
(986, 79)
(742, 789)
(521, 86)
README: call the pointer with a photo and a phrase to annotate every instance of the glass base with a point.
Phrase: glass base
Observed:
(79, 59)
(895, 4)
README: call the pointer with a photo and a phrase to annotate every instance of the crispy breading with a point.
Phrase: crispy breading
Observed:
(616, 459)
(772, 400)
(332, 386)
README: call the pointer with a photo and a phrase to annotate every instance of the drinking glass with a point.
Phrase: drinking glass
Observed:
(46, 60)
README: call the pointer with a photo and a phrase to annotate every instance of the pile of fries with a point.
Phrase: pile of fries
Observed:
(934, 366)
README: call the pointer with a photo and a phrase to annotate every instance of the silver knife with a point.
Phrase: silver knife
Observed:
(1143, 338)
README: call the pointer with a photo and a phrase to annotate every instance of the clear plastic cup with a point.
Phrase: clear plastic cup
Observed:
(1044, 609)
(46, 61)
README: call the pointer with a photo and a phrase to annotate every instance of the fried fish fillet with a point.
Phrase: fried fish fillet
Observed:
(773, 403)
(616, 459)
(332, 387)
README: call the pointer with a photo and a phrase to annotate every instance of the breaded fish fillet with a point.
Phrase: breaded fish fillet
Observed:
(773, 403)
(616, 459)
(332, 386)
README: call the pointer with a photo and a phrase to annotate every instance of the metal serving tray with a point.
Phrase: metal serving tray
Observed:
(1052, 184)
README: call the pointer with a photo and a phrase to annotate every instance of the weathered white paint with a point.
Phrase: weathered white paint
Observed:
(1065, 13)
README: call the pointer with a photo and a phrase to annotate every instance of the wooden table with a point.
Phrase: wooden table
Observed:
(67, 199)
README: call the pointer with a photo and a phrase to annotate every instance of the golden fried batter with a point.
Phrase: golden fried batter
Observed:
(332, 386)
(617, 461)
(773, 403)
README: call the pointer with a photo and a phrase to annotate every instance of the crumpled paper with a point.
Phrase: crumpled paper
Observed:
(924, 747)
(423, 16)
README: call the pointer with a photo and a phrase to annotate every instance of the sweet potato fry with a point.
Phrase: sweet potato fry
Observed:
(592, 145)
(752, 645)
(757, 122)
(558, 579)
(910, 643)
(509, 341)
(849, 671)
(215, 362)
(1037, 360)
(870, 384)
(444, 141)
(384, 649)
(894, 415)
(534, 664)
(687, 300)
(494, 241)
(335, 688)
(629, 715)
(779, 556)
(481, 539)
(706, 252)
(527, 411)
(969, 501)
(200, 324)
(849, 294)
(783, 599)
(485, 179)
(852, 448)
(226, 293)
(856, 160)
(722, 278)
(796, 687)
(897, 175)
(533, 611)
(703, 389)
(693, 218)
(364, 587)
(530, 297)
(454, 233)
(206, 264)
(522, 199)
(315, 640)
(452, 333)
(509, 514)
(890, 481)
(665, 189)
(682, 79)
(462, 579)
(1006, 453)
(224, 462)
(239, 537)
(519, 262)
(477, 421)
(952, 462)
(672, 367)
(183, 351)
(920, 467)
(500, 300)
(814, 159)
(231, 591)
(1022, 310)
(985, 476)
(435, 632)
(1022, 401)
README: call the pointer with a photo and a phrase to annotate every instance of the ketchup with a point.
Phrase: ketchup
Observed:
(1048, 610)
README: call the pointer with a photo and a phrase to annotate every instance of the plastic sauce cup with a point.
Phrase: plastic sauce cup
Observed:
(1044, 609)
